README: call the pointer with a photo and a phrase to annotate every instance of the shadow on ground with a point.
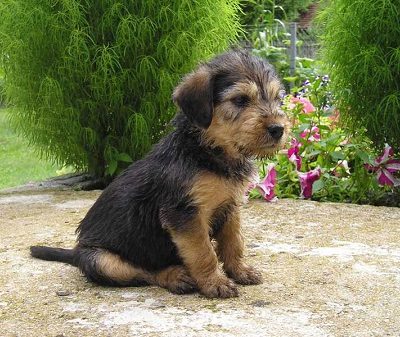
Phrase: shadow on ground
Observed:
(329, 270)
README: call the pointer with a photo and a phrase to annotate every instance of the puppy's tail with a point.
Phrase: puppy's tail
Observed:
(54, 254)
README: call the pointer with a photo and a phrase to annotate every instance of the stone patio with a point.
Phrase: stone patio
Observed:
(329, 270)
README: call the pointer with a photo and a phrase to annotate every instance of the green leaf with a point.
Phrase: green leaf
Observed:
(112, 167)
(337, 155)
(313, 153)
(290, 79)
(324, 127)
(363, 156)
(318, 185)
(124, 157)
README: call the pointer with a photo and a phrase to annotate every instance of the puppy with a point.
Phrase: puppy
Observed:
(170, 218)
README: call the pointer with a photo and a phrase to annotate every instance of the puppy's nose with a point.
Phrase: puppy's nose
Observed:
(276, 131)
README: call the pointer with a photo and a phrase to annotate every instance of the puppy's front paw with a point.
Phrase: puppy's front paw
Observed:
(220, 287)
(245, 275)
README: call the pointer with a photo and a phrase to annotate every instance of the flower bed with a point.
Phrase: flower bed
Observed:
(324, 161)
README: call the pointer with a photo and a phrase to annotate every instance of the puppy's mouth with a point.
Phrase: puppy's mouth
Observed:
(261, 150)
(263, 146)
(268, 150)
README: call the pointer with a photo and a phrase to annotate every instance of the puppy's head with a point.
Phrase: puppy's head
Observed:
(235, 100)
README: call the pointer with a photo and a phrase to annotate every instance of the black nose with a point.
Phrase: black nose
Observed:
(276, 131)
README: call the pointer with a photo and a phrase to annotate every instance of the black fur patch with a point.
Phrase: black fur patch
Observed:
(196, 102)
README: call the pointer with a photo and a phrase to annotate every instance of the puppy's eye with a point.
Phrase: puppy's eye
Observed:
(241, 101)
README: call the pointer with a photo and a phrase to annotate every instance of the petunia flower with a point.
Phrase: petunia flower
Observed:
(306, 182)
(267, 185)
(293, 153)
(308, 107)
(312, 135)
(385, 166)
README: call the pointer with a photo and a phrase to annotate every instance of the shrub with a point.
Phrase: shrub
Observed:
(361, 46)
(2, 98)
(91, 81)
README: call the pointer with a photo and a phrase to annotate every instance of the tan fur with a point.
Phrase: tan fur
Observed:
(247, 133)
(199, 257)
(230, 242)
(230, 251)
(210, 191)
(195, 81)
(273, 89)
(174, 278)
(242, 88)
(112, 266)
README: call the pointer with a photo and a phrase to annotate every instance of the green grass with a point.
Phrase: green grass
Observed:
(19, 163)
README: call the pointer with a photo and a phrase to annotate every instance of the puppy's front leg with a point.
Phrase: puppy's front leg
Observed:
(230, 251)
(196, 250)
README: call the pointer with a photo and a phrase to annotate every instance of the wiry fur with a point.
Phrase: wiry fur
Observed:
(154, 223)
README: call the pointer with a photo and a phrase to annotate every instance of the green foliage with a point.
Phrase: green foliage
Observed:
(258, 13)
(362, 51)
(2, 98)
(92, 80)
(272, 43)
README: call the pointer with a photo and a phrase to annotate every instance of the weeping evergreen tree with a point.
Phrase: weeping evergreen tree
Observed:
(91, 80)
(362, 49)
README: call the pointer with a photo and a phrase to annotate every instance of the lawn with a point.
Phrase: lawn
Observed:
(19, 163)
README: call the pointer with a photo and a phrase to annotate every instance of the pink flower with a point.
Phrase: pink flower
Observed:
(311, 135)
(267, 185)
(307, 105)
(293, 153)
(306, 182)
(385, 166)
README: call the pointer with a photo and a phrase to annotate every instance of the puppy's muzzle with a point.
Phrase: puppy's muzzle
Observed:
(276, 131)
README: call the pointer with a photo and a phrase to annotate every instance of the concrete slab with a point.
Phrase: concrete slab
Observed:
(329, 270)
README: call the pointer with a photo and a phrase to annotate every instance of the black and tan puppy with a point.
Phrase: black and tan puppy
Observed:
(154, 224)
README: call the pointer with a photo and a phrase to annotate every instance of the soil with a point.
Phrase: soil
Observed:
(329, 270)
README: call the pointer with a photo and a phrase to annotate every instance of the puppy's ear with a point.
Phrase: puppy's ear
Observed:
(194, 96)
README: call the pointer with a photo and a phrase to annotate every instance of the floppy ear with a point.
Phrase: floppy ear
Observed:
(194, 96)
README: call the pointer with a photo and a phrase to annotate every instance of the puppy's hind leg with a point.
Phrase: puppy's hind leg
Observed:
(104, 267)
(176, 279)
